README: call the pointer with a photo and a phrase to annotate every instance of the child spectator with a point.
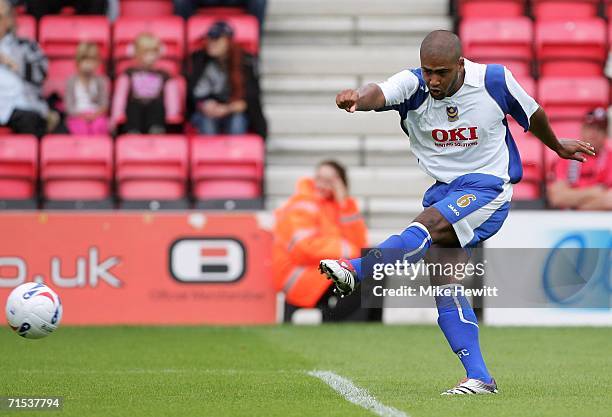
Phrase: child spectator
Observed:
(217, 85)
(144, 98)
(87, 94)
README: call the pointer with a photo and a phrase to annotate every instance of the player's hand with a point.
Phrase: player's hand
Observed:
(340, 191)
(575, 149)
(347, 100)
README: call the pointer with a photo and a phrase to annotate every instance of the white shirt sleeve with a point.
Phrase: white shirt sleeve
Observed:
(527, 103)
(399, 87)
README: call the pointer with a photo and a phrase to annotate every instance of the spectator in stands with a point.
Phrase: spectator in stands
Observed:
(23, 69)
(87, 94)
(257, 8)
(144, 97)
(588, 185)
(217, 84)
(40, 8)
(318, 221)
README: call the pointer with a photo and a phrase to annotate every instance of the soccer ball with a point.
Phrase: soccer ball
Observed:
(33, 310)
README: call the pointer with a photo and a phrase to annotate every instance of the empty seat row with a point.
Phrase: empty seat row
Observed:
(540, 9)
(563, 48)
(69, 169)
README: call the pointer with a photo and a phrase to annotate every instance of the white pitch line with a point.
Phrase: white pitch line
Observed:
(356, 395)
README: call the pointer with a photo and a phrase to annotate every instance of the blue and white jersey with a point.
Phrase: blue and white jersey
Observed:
(468, 132)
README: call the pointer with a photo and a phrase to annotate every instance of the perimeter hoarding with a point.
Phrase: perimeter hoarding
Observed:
(143, 267)
(575, 235)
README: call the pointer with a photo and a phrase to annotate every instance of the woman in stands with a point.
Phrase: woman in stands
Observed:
(142, 99)
(87, 94)
(320, 219)
(217, 85)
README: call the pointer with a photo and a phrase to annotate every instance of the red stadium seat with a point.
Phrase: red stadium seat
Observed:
(567, 129)
(76, 167)
(26, 27)
(571, 48)
(488, 8)
(506, 40)
(532, 157)
(572, 98)
(227, 167)
(147, 8)
(169, 29)
(18, 167)
(59, 36)
(60, 70)
(564, 9)
(221, 12)
(152, 167)
(246, 31)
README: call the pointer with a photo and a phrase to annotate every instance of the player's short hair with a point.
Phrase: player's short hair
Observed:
(442, 42)
(338, 167)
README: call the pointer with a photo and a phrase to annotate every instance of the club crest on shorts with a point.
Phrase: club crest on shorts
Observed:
(453, 113)
(465, 200)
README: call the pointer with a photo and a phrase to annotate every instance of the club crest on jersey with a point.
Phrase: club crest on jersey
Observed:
(465, 200)
(453, 113)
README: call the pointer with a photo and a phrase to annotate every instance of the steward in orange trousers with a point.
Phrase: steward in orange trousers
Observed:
(320, 221)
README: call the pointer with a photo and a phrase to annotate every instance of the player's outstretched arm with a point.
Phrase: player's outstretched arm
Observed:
(565, 148)
(369, 97)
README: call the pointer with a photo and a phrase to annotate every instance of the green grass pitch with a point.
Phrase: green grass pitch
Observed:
(262, 371)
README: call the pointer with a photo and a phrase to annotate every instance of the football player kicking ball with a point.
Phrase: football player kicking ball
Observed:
(454, 112)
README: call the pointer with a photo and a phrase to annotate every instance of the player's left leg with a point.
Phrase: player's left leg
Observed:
(459, 324)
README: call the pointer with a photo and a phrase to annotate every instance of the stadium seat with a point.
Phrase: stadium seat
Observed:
(26, 27)
(146, 8)
(18, 167)
(567, 129)
(571, 48)
(169, 29)
(76, 167)
(564, 9)
(572, 98)
(532, 157)
(246, 31)
(227, 167)
(488, 8)
(152, 167)
(59, 36)
(507, 40)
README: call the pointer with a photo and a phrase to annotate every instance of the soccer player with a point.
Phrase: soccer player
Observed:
(454, 112)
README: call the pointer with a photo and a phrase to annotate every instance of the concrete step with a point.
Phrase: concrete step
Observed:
(358, 7)
(328, 119)
(304, 150)
(339, 60)
(407, 26)
(389, 150)
(292, 84)
(365, 181)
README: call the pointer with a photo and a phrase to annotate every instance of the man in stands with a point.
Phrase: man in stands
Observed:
(23, 69)
(588, 185)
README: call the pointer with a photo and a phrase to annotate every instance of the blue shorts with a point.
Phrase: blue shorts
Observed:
(475, 204)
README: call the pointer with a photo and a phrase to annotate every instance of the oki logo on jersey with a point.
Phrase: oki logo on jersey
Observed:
(220, 260)
(461, 136)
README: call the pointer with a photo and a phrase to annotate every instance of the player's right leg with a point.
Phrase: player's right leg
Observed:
(411, 245)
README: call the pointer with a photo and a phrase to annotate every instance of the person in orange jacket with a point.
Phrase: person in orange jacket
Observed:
(319, 221)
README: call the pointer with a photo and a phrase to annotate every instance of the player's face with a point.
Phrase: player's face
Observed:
(441, 75)
(325, 178)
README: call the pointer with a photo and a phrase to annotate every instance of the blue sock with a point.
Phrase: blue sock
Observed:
(411, 245)
(458, 323)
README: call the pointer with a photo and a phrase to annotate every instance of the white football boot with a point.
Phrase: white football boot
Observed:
(471, 386)
(341, 272)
